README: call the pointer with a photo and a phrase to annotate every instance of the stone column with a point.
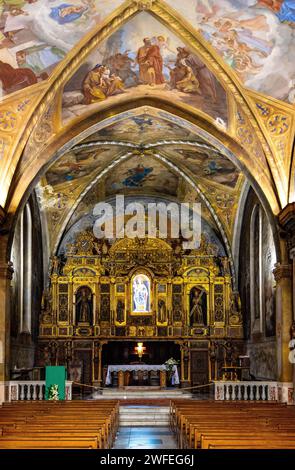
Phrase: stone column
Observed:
(282, 274)
(287, 222)
(6, 273)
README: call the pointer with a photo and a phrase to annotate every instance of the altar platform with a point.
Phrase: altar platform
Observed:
(146, 393)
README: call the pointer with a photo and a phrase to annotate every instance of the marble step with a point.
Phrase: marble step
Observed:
(129, 394)
(144, 415)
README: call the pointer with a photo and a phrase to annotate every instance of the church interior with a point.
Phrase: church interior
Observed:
(166, 104)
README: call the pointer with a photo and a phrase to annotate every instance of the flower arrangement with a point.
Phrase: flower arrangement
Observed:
(53, 392)
(170, 363)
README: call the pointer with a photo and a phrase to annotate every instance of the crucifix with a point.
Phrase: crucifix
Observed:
(140, 350)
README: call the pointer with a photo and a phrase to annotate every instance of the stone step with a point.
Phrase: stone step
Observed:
(144, 415)
(143, 410)
(127, 394)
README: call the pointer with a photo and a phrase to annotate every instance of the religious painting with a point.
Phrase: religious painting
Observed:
(137, 175)
(84, 305)
(207, 163)
(144, 127)
(35, 35)
(76, 165)
(144, 57)
(250, 36)
(197, 306)
(141, 294)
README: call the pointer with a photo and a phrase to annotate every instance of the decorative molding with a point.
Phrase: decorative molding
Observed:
(282, 271)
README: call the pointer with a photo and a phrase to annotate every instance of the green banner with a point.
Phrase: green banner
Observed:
(55, 382)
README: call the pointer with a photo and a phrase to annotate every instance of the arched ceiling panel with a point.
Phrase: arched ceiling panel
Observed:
(144, 58)
(143, 163)
(252, 36)
(255, 37)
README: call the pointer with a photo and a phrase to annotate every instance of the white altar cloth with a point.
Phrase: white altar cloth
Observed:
(143, 367)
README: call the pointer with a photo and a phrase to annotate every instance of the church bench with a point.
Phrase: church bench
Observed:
(194, 422)
(188, 435)
(248, 443)
(249, 436)
(74, 425)
(57, 435)
(47, 443)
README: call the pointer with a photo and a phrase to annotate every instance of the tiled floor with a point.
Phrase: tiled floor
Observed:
(140, 437)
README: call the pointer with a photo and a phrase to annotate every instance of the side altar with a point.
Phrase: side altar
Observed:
(103, 296)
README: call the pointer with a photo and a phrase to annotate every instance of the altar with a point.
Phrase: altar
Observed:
(145, 368)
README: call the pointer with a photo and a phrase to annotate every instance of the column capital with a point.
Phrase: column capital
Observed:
(282, 271)
(6, 270)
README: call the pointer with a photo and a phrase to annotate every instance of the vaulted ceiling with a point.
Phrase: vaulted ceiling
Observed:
(143, 155)
(253, 37)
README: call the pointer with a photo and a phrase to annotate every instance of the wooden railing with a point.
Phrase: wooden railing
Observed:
(246, 391)
(19, 390)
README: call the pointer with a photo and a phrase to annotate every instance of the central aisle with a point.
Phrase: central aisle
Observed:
(141, 437)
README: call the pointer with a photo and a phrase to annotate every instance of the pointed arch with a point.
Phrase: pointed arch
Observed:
(51, 96)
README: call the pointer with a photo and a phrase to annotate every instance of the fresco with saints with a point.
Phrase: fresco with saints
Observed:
(250, 36)
(144, 57)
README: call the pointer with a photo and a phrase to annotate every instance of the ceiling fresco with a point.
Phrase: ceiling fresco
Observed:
(142, 155)
(143, 129)
(206, 164)
(144, 57)
(142, 174)
(251, 36)
(35, 35)
(255, 37)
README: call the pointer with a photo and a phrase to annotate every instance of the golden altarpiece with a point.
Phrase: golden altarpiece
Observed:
(140, 290)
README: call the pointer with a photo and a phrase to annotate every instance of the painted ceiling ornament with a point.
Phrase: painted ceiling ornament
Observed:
(278, 124)
(8, 121)
(264, 110)
(144, 4)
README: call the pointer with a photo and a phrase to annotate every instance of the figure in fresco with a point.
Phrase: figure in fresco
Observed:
(67, 13)
(135, 177)
(84, 305)
(198, 306)
(150, 63)
(15, 78)
(286, 13)
(189, 83)
(99, 83)
(274, 5)
(199, 71)
(236, 41)
(284, 9)
(122, 65)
